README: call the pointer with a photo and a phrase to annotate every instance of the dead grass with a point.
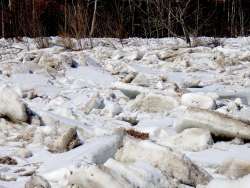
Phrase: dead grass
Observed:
(42, 42)
(137, 134)
(209, 42)
(68, 43)
(8, 161)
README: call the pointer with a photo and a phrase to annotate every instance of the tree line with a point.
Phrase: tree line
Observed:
(124, 18)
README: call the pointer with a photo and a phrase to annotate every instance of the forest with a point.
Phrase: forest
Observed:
(124, 18)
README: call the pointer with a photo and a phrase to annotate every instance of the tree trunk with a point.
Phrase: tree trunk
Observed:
(2, 18)
(93, 20)
(65, 16)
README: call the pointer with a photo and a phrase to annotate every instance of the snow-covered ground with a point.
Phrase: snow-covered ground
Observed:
(134, 113)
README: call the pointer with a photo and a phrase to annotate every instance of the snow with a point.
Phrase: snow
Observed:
(161, 88)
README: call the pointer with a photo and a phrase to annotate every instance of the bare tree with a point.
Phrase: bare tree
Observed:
(33, 16)
(93, 20)
(127, 18)
(181, 10)
(65, 16)
(2, 18)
